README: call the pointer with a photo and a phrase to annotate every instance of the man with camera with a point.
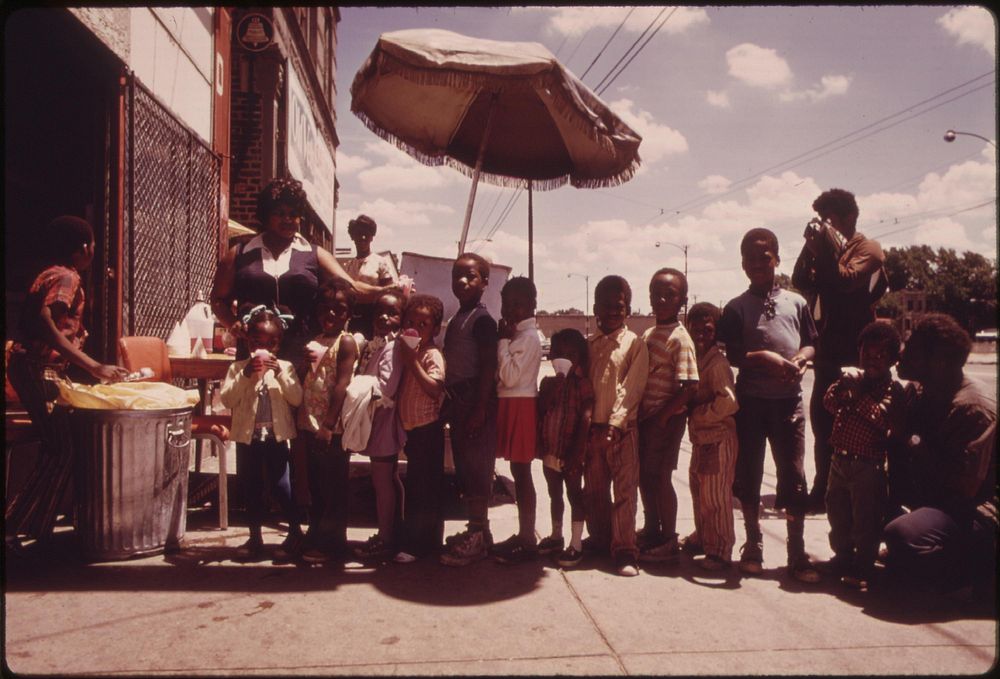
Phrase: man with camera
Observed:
(841, 273)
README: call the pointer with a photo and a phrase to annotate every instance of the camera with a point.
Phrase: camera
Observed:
(814, 228)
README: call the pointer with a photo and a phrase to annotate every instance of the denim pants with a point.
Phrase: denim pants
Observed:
(855, 500)
(659, 448)
(423, 527)
(261, 464)
(781, 423)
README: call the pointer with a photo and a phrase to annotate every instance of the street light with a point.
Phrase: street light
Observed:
(586, 307)
(684, 249)
(950, 135)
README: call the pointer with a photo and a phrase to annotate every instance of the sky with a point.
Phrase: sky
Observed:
(747, 114)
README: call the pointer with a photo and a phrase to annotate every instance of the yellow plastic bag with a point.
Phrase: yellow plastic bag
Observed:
(126, 396)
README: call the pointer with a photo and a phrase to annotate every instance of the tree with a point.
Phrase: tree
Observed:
(963, 286)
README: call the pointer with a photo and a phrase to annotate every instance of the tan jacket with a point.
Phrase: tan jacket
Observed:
(239, 393)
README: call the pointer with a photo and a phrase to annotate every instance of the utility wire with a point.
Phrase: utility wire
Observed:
(641, 47)
(914, 226)
(807, 157)
(601, 53)
(629, 50)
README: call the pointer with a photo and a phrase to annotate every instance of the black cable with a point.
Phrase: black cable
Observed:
(630, 48)
(641, 47)
(599, 54)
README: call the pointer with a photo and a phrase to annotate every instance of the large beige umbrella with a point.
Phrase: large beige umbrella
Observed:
(507, 113)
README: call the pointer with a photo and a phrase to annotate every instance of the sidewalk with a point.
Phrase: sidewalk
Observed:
(201, 613)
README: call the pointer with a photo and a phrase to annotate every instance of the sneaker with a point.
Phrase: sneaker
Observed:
(290, 548)
(802, 569)
(692, 545)
(551, 545)
(374, 549)
(404, 557)
(668, 552)
(752, 557)
(463, 535)
(569, 558)
(626, 566)
(251, 549)
(712, 563)
(514, 550)
(464, 552)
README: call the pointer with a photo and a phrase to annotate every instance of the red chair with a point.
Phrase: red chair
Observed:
(151, 352)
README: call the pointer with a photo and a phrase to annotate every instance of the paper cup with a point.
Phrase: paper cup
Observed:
(562, 365)
(319, 349)
(412, 341)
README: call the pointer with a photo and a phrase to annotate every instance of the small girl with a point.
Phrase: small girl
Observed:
(387, 437)
(519, 357)
(335, 353)
(261, 391)
(565, 403)
(712, 429)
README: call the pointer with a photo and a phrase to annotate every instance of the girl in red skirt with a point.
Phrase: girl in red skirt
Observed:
(519, 356)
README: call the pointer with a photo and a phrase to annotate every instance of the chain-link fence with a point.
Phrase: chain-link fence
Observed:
(171, 230)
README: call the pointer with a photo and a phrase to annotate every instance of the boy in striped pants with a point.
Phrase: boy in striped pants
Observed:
(712, 429)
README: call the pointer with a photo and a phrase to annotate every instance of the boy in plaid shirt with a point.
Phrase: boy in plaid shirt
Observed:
(867, 406)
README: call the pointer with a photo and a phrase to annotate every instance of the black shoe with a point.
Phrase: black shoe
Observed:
(374, 549)
(514, 550)
(291, 547)
(251, 549)
(626, 566)
(551, 545)
(570, 558)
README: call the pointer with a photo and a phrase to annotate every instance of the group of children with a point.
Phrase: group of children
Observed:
(607, 426)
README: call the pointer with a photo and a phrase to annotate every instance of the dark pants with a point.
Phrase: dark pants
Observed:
(855, 498)
(424, 523)
(659, 448)
(821, 422)
(781, 423)
(935, 548)
(475, 455)
(329, 488)
(261, 464)
(32, 510)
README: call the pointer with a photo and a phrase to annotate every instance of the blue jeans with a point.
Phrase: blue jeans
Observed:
(930, 546)
(781, 423)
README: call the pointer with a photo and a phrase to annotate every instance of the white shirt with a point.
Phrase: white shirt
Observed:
(518, 362)
(275, 266)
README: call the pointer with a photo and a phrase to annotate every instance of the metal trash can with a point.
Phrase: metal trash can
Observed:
(131, 480)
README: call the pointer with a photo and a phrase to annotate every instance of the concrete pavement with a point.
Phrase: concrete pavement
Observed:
(201, 613)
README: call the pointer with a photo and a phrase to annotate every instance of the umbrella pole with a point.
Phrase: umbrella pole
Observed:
(475, 174)
(531, 238)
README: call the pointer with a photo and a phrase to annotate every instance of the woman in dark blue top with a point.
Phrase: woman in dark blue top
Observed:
(280, 268)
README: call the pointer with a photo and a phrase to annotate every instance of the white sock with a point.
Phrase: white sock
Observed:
(576, 541)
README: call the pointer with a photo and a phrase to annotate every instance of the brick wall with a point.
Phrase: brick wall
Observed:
(246, 143)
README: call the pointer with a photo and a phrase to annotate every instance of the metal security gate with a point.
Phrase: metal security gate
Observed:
(171, 227)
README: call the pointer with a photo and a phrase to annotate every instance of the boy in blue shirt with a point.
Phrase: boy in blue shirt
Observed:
(769, 335)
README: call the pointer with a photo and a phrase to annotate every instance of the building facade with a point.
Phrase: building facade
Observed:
(150, 122)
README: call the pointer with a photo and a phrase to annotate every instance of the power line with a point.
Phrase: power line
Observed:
(641, 47)
(914, 226)
(599, 54)
(630, 48)
(812, 154)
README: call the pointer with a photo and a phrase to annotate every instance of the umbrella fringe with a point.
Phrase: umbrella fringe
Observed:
(608, 182)
(385, 135)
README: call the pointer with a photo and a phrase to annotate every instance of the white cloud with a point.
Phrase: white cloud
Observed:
(971, 26)
(829, 86)
(347, 164)
(400, 172)
(943, 233)
(576, 21)
(402, 225)
(715, 183)
(717, 98)
(658, 140)
(758, 66)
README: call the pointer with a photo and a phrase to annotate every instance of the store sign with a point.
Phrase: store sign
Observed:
(255, 32)
(309, 158)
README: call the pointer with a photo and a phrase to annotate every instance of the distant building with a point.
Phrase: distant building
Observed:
(914, 308)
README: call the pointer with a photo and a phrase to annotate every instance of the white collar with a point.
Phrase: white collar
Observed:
(526, 324)
(298, 243)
